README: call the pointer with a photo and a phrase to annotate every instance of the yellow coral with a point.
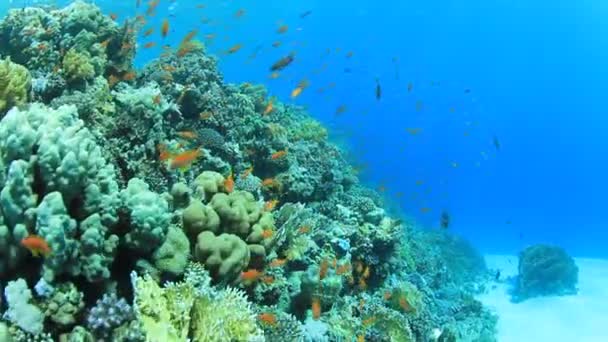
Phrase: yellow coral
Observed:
(77, 66)
(15, 83)
(164, 313)
(227, 317)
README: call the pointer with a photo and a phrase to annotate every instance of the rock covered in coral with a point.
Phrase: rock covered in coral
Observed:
(225, 255)
(545, 270)
(78, 193)
(15, 82)
(20, 311)
(64, 305)
(108, 313)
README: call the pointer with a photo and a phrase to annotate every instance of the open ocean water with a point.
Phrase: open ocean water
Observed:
(479, 119)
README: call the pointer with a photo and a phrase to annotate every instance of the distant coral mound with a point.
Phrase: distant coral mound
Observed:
(545, 270)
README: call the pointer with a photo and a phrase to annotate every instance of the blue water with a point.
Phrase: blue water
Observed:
(537, 76)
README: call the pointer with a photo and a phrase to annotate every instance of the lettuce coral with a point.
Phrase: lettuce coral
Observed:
(15, 82)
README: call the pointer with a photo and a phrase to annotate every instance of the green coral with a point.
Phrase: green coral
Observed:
(225, 256)
(163, 312)
(64, 305)
(198, 217)
(207, 184)
(172, 256)
(77, 66)
(15, 81)
(193, 310)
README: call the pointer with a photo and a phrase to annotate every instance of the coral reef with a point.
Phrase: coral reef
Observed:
(165, 205)
(545, 270)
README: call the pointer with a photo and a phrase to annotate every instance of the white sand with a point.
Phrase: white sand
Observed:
(578, 318)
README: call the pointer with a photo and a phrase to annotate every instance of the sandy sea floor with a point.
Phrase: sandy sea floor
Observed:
(579, 318)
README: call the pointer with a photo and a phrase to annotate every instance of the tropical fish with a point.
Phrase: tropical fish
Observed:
(410, 87)
(378, 90)
(413, 131)
(341, 109)
(267, 233)
(269, 108)
(278, 155)
(36, 245)
(148, 32)
(282, 29)
(282, 63)
(276, 44)
(323, 268)
(296, 92)
(270, 205)
(496, 143)
(251, 275)
(229, 183)
(305, 14)
(277, 262)
(164, 28)
(149, 45)
(183, 160)
(268, 318)
(316, 308)
(235, 48)
(445, 219)
(247, 172)
(239, 13)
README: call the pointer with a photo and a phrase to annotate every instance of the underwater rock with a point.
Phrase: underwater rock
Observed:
(545, 270)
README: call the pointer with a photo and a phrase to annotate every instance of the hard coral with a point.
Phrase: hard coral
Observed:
(15, 82)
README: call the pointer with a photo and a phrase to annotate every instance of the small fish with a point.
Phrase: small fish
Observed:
(278, 155)
(410, 87)
(341, 109)
(282, 29)
(467, 91)
(404, 304)
(149, 45)
(425, 210)
(316, 308)
(282, 63)
(36, 245)
(277, 262)
(413, 131)
(148, 32)
(276, 44)
(229, 183)
(445, 219)
(378, 90)
(304, 230)
(164, 28)
(274, 75)
(270, 205)
(496, 143)
(267, 233)
(156, 100)
(497, 276)
(268, 280)
(129, 76)
(387, 295)
(269, 108)
(268, 318)
(323, 268)
(234, 48)
(183, 160)
(247, 172)
(251, 275)
(239, 13)
(113, 16)
(305, 14)
(204, 115)
(296, 92)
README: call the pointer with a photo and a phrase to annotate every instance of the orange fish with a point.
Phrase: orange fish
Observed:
(387, 295)
(189, 36)
(148, 32)
(278, 155)
(296, 92)
(268, 318)
(316, 308)
(268, 280)
(276, 44)
(190, 135)
(268, 182)
(113, 16)
(277, 262)
(184, 160)
(282, 29)
(275, 75)
(36, 245)
(349, 54)
(210, 36)
(152, 7)
(105, 43)
(425, 210)
(112, 80)
(229, 183)
(404, 304)
(323, 269)
(410, 87)
(269, 108)
(130, 76)
(304, 230)
(247, 172)
(341, 109)
(149, 45)
(251, 275)
(270, 205)
(204, 115)
(414, 131)
(344, 268)
(156, 99)
(164, 28)
(239, 13)
(366, 272)
(201, 6)
(235, 48)
(267, 233)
